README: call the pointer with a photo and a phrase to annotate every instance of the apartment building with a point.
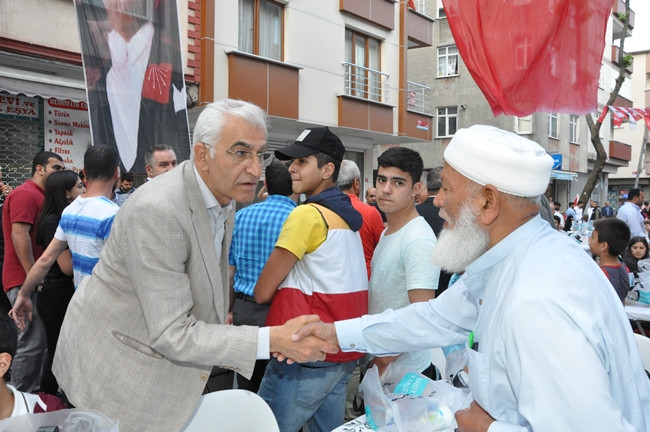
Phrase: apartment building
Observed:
(338, 64)
(458, 102)
(637, 173)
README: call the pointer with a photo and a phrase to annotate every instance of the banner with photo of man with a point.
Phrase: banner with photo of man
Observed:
(134, 76)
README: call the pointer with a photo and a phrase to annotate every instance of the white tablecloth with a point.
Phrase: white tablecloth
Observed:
(640, 313)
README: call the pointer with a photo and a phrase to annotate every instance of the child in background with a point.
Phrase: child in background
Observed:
(12, 401)
(607, 242)
(636, 251)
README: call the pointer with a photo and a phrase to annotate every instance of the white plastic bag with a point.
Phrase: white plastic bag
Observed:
(68, 420)
(410, 402)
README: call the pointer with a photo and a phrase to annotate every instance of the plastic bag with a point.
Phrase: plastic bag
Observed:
(410, 402)
(68, 420)
(643, 285)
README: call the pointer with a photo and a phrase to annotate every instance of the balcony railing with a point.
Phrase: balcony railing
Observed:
(365, 83)
(418, 97)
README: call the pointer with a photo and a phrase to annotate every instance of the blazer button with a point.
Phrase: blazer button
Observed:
(204, 377)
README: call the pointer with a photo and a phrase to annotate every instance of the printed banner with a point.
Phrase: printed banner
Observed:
(134, 76)
(67, 131)
(531, 56)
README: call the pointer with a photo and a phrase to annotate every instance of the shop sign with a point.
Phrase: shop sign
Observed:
(20, 106)
(67, 130)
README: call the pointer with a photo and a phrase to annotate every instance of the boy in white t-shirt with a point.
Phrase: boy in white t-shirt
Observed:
(402, 271)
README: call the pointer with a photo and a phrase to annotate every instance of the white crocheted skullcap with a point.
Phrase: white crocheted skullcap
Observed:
(511, 163)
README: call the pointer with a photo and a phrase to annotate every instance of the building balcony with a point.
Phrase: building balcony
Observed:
(615, 53)
(619, 150)
(623, 102)
(270, 84)
(419, 29)
(617, 30)
(364, 104)
(380, 12)
(418, 98)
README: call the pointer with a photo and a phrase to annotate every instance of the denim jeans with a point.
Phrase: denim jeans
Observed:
(311, 394)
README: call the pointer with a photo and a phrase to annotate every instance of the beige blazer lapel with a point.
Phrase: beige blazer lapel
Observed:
(205, 241)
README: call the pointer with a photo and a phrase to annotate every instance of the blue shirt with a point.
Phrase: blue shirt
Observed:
(256, 230)
(85, 225)
(554, 349)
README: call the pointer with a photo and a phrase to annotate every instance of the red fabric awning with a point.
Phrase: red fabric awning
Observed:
(532, 55)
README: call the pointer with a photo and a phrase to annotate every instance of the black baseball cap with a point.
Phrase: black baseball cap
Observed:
(312, 141)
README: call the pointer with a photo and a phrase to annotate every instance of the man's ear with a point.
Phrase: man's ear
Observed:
(5, 362)
(489, 203)
(328, 170)
(201, 155)
(417, 188)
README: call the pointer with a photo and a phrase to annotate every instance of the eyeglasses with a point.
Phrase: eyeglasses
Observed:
(242, 156)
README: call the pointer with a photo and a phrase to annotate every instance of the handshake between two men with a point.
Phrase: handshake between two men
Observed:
(303, 339)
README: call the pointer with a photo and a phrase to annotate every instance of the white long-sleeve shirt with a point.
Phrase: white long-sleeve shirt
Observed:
(555, 349)
(630, 213)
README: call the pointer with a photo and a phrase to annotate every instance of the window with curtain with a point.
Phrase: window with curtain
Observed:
(362, 56)
(447, 121)
(447, 61)
(552, 125)
(573, 128)
(260, 28)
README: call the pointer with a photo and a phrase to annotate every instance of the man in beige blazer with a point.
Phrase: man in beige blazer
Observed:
(143, 332)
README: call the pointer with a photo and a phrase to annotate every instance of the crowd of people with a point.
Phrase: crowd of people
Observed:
(141, 300)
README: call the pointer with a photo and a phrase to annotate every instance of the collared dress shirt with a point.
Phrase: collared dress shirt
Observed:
(553, 346)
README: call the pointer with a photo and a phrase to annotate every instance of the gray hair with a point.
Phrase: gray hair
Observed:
(214, 116)
(433, 178)
(349, 172)
(148, 154)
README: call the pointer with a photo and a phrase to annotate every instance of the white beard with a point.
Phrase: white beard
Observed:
(461, 245)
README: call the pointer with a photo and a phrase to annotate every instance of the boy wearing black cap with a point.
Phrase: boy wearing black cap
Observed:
(316, 267)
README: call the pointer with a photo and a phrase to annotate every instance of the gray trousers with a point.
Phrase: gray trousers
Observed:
(28, 363)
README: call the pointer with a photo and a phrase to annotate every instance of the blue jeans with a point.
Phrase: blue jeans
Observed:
(311, 394)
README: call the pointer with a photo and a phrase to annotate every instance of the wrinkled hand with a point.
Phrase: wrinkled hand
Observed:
(473, 419)
(22, 307)
(308, 348)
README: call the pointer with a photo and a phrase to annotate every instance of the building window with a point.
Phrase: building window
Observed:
(573, 128)
(363, 77)
(260, 28)
(552, 125)
(447, 61)
(441, 10)
(524, 125)
(447, 121)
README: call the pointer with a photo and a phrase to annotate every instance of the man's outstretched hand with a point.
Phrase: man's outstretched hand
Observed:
(296, 342)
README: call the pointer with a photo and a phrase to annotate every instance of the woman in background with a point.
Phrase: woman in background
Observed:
(61, 189)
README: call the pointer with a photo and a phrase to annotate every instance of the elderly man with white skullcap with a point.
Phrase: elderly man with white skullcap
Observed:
(551, 347)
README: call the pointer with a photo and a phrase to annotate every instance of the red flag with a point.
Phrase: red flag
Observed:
(530, 56)
(575, 201)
